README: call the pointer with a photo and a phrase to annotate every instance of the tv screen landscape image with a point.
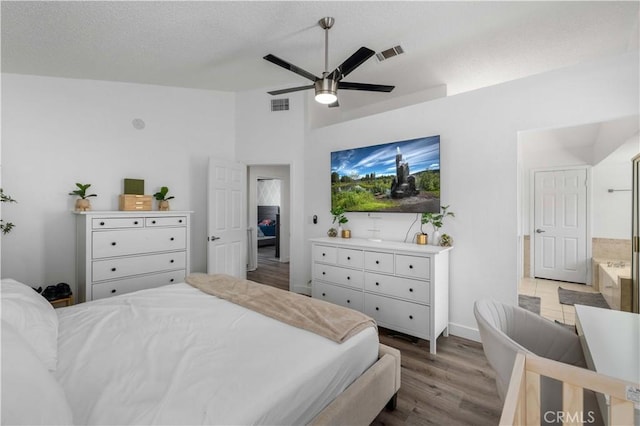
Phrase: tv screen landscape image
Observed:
(399, 176)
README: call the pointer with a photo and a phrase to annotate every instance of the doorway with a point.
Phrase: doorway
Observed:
(268, 206)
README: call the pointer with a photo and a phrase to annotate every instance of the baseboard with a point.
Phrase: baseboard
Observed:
(302, 290)
(464, 332)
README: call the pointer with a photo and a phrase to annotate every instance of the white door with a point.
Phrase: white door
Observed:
(227, 239)
(560, 225)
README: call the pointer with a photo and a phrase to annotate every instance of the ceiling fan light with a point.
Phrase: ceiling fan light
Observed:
(326, 97)
(326, 91)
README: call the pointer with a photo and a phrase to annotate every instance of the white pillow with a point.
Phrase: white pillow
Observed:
(33, 317)
(30, 393)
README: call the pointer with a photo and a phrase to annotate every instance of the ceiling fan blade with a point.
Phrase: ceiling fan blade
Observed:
(365, 86)
(292, 89)
(335, 104)
(353, 62)
(286, 65)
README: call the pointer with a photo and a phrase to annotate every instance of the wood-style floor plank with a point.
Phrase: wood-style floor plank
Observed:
(454, 387)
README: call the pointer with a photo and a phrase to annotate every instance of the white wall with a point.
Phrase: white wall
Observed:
(56, 132)
(479, 133)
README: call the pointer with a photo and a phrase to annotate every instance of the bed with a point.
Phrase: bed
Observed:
(175, 355)
(269, 227)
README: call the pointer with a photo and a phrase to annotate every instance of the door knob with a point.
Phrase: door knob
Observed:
(213, 238)
(540, 231)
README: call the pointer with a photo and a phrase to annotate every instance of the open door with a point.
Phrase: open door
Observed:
(227, 219)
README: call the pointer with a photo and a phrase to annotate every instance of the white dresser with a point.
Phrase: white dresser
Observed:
(119, 252)
(404, 287)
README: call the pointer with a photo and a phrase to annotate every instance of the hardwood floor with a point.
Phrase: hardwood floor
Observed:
(454, 387)
(270, 270)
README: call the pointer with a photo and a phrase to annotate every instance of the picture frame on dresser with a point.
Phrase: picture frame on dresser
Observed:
(120, 252)
(403, 287)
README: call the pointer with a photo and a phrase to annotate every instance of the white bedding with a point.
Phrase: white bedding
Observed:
(174, 355)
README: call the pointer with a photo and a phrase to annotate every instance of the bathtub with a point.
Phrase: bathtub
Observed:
(614, 278)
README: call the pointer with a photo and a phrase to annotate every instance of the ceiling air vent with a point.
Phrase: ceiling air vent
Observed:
(280, 104)
(390, 53)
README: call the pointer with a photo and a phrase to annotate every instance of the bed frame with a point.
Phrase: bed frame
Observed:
(363, 400)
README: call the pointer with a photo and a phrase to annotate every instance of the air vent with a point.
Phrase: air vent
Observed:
(390, 53)
(280, 104)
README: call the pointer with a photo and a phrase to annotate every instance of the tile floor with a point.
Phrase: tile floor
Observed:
(547, 291)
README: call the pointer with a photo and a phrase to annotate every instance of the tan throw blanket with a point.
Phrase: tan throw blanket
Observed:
(325, 319)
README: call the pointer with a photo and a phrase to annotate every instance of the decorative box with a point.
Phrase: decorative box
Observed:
(131, 202)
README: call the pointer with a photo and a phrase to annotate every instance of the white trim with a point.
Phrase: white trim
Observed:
(588, 170)
(464, 332)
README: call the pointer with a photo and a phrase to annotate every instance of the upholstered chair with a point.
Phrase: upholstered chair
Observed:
(505, 330)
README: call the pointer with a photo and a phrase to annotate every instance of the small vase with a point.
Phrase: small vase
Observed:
(435, 238)
(332, 232)
(345, 233)
(83, 205)
(163, 205)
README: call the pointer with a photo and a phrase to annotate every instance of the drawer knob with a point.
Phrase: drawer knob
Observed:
(377, 262)
(377, 309)
(153, 221)
(324, 273)
(172, 238)
(135, 222)
(323, 254)
(410, 316)
(348, 257)
(113, 269)
(180, 221)
(410, 290)
(171, 280)
(377, 283)
(171, 261)
(101, 223)
(348, 278)
(113, 291)
(348, 301)
(113, 243)
(410, 266)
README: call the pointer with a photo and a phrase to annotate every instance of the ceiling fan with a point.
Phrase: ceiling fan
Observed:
(326, 87)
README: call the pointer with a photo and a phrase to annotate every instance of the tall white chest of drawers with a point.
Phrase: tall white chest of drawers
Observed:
(404, 287)
(120, 252)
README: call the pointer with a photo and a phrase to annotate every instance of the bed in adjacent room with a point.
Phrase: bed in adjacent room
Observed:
(176, 355)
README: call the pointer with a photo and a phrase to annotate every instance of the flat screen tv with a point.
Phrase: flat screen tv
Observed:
(401, 177)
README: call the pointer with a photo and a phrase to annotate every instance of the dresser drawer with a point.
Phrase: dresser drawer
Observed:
(117, 222)
(166, 221)
(407, 317)
(113, 268)
(412, 266)
(406, 288)
(339, 295)
(137, 241)
(350, 257)
(325, 254)
(378, 262)
(128, 285)
(343, 276)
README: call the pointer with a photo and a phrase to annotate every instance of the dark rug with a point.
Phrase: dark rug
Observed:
(530, 303)
(570, 297)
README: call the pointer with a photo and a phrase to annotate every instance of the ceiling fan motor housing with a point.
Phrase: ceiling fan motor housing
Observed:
(326, 88)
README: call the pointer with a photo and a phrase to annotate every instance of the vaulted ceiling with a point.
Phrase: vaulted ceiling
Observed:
(219, 45)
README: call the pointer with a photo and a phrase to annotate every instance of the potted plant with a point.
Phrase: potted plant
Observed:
(6, 227)
(82, 203)
(163, 200)
(436, 219)
(338, 216)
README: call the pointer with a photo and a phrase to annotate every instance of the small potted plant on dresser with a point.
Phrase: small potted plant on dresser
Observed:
(83, 204)
(338, 216)
(436, 220)
(163, 200)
